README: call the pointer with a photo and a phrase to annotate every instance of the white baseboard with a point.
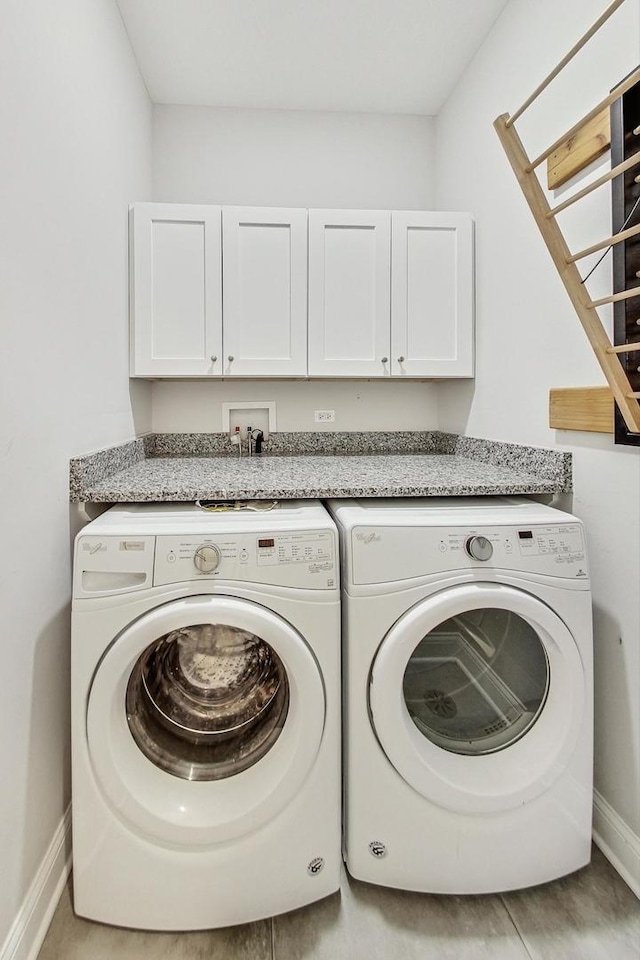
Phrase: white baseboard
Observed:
(617, 841)
(30, 926)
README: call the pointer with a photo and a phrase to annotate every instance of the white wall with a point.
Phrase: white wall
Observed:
(358, 405)
(529, 339)
(292, 158)
(298, 159)
(76, 147)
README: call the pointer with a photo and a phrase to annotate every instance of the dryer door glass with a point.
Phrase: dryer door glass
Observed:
(207, 701)
(477, 682)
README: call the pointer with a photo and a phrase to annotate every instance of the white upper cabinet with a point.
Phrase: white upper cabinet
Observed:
(349, 293)
(264, 291)
(176, 302)
(432, 295)
(277, 292)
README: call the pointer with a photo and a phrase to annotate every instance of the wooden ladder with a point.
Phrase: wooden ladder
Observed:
(565, 261)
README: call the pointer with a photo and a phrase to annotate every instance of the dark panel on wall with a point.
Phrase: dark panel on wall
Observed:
(625, 141)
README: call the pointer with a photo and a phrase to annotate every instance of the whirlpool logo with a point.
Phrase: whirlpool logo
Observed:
(368, 537)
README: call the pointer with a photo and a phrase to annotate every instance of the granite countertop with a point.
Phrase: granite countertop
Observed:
(188, 467)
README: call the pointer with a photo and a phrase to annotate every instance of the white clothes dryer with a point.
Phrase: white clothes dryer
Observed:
(467, 637)
(205, 714)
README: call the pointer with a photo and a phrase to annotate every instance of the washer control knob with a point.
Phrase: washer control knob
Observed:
(206, 558)
(479, 548)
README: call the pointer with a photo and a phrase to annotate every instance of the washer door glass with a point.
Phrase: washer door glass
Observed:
(207, 701)
(477, 682)
(204, 718)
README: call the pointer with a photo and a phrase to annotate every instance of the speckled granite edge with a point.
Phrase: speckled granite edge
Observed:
(555, 465)
(550, 468)
(90, 469)
(189, 494)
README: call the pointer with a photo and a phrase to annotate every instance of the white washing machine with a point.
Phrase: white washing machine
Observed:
(205, 714)
(467, 638)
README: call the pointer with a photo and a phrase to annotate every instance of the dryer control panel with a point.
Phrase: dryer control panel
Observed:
(383, 554)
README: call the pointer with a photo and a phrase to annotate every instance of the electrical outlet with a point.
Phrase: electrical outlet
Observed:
(324, 416)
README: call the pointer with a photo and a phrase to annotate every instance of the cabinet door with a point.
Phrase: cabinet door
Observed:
(264, 291)
(432, 297)
(349, 293)
(176, 290)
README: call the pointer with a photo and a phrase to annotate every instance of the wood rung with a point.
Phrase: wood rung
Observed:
(609, 242)
(631, 80)
(624, 348)
(611, 175)
(565, 60)
(635, 395)
(616, 297)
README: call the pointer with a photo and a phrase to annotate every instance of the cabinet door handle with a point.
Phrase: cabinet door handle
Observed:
(385, 360)
(213, 359)
(400, 359)
(230, 358)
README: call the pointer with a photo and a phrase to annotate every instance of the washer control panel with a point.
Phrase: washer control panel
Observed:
(294, 548)
(304, 559)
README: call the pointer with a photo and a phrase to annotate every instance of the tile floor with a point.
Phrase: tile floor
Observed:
(591, 915)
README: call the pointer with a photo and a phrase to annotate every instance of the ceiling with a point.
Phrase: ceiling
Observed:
(373, 56)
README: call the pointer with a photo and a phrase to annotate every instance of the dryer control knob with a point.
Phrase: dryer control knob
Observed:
(479, 548)
(206, 558)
